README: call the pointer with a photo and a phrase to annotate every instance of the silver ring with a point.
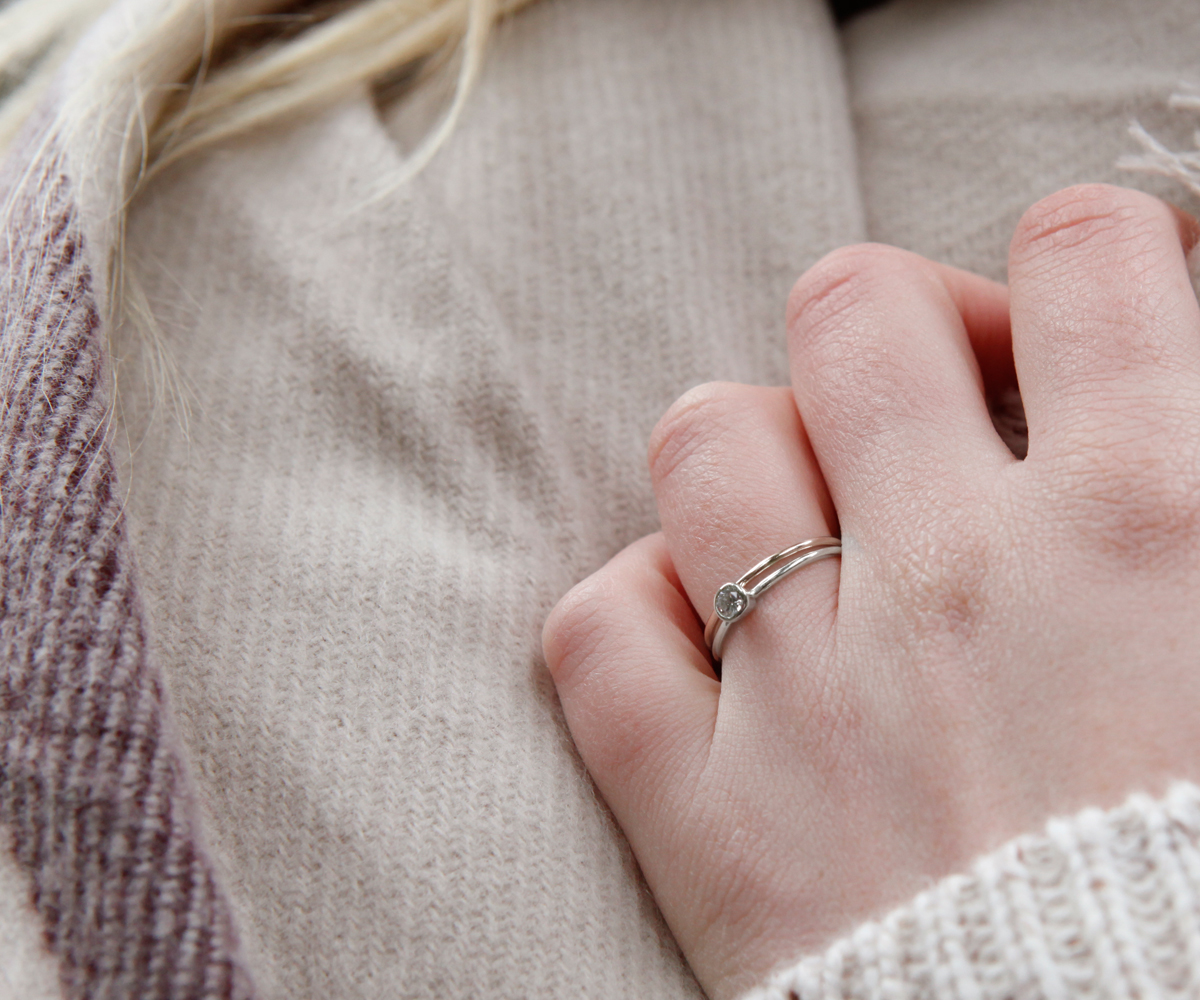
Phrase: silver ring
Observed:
(733, 601)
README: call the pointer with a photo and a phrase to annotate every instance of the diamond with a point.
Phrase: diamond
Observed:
(731, 602)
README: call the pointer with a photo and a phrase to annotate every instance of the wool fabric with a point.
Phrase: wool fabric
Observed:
(275, 721)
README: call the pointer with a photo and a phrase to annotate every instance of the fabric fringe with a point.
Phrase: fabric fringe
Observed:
(1156, 158)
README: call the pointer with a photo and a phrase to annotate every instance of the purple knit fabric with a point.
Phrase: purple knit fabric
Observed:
(92, 786)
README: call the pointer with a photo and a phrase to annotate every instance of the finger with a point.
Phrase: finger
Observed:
(983, 306)
(628, 660)
(888, 384)
(1105, 323)
(736, 481)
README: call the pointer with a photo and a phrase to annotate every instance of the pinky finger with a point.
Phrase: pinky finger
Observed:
(627, 654)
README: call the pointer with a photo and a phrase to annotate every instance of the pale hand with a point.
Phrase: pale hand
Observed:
(1000, 641)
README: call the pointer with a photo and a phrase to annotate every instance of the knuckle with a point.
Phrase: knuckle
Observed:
(939, 580)
(1087, 215)
(838, 285)
(1137, 504)
(592, 663)
(572, 630)
(692, 421)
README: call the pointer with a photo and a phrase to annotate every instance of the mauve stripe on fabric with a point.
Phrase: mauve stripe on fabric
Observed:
(90, 782)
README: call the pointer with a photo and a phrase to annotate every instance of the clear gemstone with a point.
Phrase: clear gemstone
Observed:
(731, 601)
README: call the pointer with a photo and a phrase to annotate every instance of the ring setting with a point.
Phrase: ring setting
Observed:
(733, 601)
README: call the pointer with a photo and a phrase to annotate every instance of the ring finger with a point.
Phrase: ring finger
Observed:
(736, 481)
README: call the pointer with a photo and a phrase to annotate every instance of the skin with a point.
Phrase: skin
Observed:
(1001, 640)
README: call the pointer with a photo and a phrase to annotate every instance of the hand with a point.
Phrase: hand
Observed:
(1001, 640)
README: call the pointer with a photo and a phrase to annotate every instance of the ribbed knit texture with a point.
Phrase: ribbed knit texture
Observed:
(91, 783)
(1104, 905)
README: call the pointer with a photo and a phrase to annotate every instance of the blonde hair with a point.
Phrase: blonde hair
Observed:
(309, 59)
(176, 76)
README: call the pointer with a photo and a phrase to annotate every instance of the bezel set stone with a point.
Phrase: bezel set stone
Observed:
(731, 602)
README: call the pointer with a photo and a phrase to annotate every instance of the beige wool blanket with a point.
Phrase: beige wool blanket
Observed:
(273, 712)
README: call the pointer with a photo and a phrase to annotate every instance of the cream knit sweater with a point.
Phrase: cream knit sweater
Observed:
(275, 720)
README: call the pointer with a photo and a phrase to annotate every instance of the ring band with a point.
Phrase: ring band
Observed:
(733, 601)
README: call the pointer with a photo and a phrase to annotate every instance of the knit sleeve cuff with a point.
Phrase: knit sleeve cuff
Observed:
(1104, 904)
